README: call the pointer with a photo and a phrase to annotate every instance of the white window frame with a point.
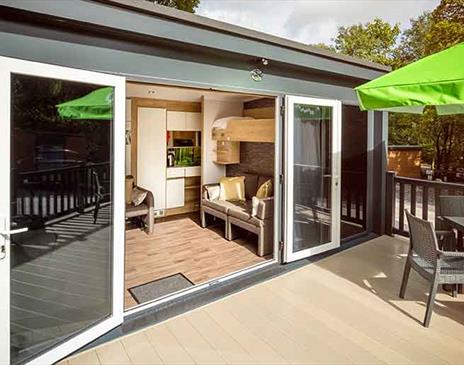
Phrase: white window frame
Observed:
(7, 67)
(290, 101)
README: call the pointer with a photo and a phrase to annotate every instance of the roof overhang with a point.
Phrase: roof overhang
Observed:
(145, 19)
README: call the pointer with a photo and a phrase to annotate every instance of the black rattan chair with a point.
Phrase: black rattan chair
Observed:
(434, 265)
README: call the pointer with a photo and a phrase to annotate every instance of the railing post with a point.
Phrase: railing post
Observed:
(390, 199)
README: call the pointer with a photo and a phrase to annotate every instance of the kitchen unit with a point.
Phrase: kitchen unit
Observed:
(183, 163)
(168, 150)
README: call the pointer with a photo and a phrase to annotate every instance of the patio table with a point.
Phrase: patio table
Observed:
(458, 224)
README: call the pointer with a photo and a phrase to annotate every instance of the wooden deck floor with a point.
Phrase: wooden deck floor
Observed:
(342, 310)
(180, 245)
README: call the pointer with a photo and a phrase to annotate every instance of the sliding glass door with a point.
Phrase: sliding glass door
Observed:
(61, 209)
(312, 176)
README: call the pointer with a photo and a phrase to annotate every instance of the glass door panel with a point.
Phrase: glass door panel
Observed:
(312, 176)
(62, 238)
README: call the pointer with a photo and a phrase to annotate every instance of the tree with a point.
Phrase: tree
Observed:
(185, 5)
(374, 41)
(413, 41)
(324, 46)
(447, 27)
(442, 138)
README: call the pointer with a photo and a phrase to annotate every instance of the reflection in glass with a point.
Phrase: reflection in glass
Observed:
(60, 190)
(312, 176)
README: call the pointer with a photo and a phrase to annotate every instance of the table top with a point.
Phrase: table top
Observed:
(455, 222)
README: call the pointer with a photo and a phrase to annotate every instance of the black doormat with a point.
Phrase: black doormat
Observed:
(159, 288)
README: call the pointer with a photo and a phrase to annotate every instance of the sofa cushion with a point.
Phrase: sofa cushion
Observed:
(138, 196)
(213, 191)
(251, 185)
(136, 211)
(219, 205)
(262, 179)
(265, 190)
(241, 211)
(232, 188)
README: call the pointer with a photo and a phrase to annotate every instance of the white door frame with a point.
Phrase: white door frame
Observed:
(7, 67)
(290, 101)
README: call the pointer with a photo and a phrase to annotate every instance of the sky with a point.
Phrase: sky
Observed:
(311, 21)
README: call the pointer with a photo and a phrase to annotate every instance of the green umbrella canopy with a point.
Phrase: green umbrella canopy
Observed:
(436, 80)
(96, 105)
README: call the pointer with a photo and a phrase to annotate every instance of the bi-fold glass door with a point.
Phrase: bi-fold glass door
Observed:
(61, 209)
(312, 176)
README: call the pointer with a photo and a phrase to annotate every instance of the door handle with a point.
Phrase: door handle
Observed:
(7, 233)
(14, 231)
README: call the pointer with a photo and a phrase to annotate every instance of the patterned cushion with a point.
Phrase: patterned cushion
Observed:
(138, 196)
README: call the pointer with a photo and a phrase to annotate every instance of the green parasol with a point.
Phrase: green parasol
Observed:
(436, 80)
(96, 105)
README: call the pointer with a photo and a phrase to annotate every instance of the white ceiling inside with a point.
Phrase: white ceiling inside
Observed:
(182, 94)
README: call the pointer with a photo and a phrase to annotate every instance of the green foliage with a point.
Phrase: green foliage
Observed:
(413, 41)
(442, 137)
(324, 46)
(374, 41)
(447, 27)
(185, 5)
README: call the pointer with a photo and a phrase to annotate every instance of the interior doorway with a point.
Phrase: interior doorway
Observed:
(200, 159)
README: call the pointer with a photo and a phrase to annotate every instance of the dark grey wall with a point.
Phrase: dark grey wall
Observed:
(139, 66)
(103, 38)
(255, 158)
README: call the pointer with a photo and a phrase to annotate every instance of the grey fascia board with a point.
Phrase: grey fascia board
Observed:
(149, 25)
(151, 68)
(205, 22)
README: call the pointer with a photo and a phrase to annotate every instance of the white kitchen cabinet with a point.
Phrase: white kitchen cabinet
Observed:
(175, 192)
(175, 121)
(193, 171)
(183, 121)
(151, 153)
(175, 172)
(190, 171)
(193, 121)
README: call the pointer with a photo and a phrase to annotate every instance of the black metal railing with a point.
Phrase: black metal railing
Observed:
(416, 195)
(51, 193)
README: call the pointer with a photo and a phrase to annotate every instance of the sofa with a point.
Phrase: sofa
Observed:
(239, 213)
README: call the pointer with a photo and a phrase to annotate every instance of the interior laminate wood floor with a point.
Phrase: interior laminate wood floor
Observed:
(342, 310)
(180, 245)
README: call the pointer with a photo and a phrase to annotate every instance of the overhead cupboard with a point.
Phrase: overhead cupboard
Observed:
(183, 121)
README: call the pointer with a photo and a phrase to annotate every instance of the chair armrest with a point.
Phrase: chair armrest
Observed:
(265, 208)
(204, 190)
(450, 254)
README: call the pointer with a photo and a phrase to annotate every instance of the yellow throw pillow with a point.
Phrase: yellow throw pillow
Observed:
(232, 188)
(265, 190)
